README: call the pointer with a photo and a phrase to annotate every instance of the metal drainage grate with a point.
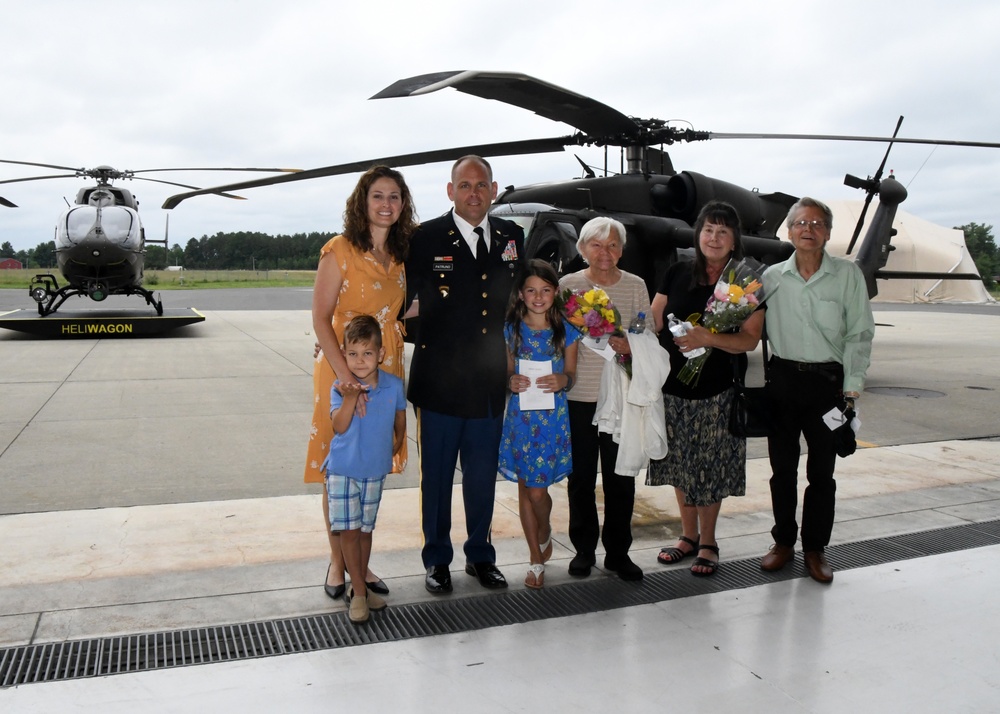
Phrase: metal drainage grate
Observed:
(205, 645)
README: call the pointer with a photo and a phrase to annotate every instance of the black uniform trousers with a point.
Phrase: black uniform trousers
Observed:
(801, 394)
(619, 491)
(443, 441)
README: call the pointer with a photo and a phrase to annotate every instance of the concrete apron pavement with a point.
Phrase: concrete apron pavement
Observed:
(156, 484)
(116, 571)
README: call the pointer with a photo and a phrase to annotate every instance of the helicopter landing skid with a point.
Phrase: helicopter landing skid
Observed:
(45, 290)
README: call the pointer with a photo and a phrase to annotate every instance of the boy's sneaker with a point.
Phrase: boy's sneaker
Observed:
(358, 610)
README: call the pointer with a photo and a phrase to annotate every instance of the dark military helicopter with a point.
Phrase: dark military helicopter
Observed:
(100, 241)
(656, 203)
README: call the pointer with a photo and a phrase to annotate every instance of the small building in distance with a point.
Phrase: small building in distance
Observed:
(10, 264)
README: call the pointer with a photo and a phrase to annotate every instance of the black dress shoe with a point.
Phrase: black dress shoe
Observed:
(377, 587)
(488, 574)
(626, 569)
(581, 564)
(438, 579)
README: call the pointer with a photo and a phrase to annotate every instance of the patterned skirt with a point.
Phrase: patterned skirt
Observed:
(705, 461)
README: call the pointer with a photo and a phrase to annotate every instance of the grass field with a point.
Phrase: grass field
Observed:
(189, 279)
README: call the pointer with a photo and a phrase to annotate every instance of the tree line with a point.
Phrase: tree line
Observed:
(983, 249)
(242, 250)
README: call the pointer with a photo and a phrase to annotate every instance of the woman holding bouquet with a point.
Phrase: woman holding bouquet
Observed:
(601, 243)
(705, 462)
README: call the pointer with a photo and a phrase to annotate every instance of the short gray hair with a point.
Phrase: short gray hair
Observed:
(598, 229)
(806, 202)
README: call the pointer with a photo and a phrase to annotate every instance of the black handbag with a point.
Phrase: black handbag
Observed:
(751, 413)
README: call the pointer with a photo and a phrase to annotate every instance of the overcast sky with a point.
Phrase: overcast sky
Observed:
(141, 85)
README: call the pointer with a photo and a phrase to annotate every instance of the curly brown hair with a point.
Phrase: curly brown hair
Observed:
(356, 227)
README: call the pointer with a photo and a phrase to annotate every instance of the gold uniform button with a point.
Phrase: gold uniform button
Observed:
(484, 313)
(485, 295)
(484, 330)
(484, 276)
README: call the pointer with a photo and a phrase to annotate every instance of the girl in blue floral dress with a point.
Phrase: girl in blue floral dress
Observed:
(535, 449)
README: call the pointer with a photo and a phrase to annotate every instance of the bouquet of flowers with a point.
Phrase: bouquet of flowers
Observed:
(738, 293)
(592, 311)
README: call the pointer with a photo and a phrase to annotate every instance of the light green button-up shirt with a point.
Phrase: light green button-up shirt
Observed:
(825, 319)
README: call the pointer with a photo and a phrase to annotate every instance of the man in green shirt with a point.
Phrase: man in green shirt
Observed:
(819, 322)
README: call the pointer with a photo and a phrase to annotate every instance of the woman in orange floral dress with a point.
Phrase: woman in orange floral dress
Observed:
(360, 272)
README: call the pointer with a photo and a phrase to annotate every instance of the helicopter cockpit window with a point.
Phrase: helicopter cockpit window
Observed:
(555, 242)
(523, 221)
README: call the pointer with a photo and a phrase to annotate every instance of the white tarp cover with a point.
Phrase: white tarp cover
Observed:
(920, 245)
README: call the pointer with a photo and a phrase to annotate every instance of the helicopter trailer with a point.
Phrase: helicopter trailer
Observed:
(70, 324)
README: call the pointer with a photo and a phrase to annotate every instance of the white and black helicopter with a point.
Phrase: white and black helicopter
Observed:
(656, 203)
(100, 241)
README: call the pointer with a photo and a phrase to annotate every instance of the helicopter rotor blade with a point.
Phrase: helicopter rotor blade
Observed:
(870, 190)
(838, 137)
(46, 166)
(39, 178)
(184, 185)
(137, 178)
(214, 168)
(5, 202)
(520, 90)
(509, 148)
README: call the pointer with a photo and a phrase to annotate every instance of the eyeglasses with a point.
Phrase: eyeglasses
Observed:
(815, 225)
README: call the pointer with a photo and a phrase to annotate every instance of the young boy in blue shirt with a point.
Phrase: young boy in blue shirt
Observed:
(365, 437)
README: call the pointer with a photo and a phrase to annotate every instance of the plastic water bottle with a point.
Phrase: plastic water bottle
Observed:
(679, 329)
(638, 324)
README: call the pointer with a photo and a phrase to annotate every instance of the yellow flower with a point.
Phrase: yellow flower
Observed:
(735, 293)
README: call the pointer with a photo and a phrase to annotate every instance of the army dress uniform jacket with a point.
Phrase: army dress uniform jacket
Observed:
(459, 363)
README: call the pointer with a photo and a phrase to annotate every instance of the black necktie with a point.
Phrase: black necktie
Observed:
(482, 252)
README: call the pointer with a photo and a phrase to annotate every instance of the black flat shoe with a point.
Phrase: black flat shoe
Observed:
(377, 587)
(488, 574)
(334, 591)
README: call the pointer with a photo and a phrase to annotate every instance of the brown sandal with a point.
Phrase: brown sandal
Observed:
(673, 554)
(712, 565)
